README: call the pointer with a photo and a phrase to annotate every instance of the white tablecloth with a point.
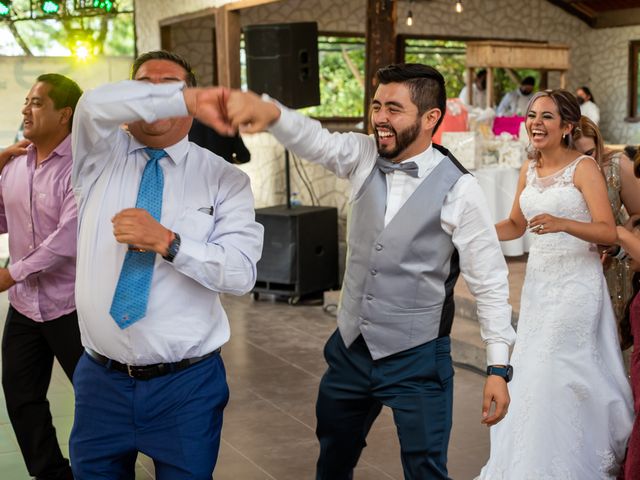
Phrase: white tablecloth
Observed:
(499, 186)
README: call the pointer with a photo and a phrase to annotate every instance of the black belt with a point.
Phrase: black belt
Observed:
(147, 372)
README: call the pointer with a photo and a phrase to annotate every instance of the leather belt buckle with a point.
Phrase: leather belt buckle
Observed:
(129, 371)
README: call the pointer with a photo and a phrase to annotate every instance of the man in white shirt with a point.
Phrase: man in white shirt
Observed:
(516, 101)
(479, 86)
(588, 106)
(149, 277)
(417, 220)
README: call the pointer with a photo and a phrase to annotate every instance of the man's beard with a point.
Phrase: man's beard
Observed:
(403, 138)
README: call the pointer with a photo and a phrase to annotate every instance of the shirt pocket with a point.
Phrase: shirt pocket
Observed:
(195, 224)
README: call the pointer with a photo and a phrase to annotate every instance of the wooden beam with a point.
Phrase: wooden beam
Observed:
(618, 18)
(185, 17)
(228, 47)
(567, 7)
(165, 37)
(242, 4)
(381, 46)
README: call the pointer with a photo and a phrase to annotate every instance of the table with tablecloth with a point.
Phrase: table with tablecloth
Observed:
(499, 185)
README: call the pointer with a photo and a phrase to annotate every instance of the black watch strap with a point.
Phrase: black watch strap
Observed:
(505, 372)
(173, 249)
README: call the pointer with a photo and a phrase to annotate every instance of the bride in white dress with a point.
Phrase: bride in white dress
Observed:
(571, 405)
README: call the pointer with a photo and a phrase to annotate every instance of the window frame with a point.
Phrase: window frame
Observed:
(633, 113)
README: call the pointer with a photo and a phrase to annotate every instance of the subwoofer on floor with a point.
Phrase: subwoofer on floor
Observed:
(282, 61)
(300, 254)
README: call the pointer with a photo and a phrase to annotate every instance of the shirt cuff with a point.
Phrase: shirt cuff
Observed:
(497, 354)
(282, 128)
(189, 250)
(169, 100)
(17, 271)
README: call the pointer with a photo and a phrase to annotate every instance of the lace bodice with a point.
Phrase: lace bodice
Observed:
(556, 195)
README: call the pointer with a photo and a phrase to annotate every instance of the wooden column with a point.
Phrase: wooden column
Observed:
(544, 80)
(381, 46)
(490, 90)
(470, 78)
(228, 47)
(563, 79)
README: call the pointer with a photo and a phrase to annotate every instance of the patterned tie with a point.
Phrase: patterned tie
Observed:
(410, 168)
(132, 292)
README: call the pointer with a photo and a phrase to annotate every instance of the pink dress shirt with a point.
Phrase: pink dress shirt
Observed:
(38, 209)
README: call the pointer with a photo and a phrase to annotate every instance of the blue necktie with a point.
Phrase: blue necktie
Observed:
(132, 292)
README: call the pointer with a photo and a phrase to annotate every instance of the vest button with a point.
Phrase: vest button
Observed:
(374, 272)
(378, 247)
(369, 297)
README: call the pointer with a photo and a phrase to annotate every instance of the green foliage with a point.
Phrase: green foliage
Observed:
(341, 91)
(55, 27)
(447, 56)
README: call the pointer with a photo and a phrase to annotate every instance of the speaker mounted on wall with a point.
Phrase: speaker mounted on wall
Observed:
(282, 61)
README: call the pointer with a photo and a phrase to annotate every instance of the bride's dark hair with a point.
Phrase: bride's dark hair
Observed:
(568, 109)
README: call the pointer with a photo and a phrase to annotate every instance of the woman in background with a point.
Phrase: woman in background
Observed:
(623, 189)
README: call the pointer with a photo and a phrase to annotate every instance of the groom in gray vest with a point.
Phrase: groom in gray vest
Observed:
(418, 219)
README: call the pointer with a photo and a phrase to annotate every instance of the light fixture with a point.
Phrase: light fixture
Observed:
(459, 6)
(81, 51)
(50, 7)
(410, 15)
(5, 8)
(106, 5)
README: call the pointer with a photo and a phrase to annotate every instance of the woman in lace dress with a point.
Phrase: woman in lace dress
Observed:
(623, 189)
(571, 409)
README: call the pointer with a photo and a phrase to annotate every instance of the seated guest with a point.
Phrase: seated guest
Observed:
(516, 101)
(588, 106)
(479, 91)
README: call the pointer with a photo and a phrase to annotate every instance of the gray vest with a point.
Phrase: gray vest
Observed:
(398, 284)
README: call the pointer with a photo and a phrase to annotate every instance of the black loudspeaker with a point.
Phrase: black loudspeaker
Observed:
(282, 61)
(300, 253)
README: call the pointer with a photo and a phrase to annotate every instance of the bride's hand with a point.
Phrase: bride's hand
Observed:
(545, 223)
(495, 393)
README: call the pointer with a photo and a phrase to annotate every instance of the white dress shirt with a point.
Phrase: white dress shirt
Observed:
(590, 110)
(465, 215)
(479, 97)
(205, 200)
(514, 103)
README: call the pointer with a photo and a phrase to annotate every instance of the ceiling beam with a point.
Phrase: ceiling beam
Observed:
(567, 7)
(618, 18)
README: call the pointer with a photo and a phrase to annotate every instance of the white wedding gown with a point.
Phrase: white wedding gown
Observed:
(571, 406)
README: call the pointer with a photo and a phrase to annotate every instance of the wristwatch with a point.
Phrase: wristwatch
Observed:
(505, 372)
(173, 249)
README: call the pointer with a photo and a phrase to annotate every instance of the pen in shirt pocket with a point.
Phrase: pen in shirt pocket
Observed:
(207, 210)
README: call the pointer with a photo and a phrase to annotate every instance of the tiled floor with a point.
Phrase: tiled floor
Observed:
(274, 364)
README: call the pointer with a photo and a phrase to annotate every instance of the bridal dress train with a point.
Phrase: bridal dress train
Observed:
(571, 407)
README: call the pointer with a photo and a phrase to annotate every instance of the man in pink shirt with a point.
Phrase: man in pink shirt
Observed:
(38, 210)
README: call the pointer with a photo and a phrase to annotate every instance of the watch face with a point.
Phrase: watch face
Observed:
(509, 373)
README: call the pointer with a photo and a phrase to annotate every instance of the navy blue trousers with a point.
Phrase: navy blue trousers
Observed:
(416, 384)
(175, 419)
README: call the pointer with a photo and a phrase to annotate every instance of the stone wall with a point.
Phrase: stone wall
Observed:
(608, 80)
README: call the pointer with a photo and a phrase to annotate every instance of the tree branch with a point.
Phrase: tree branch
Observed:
(19, 39)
